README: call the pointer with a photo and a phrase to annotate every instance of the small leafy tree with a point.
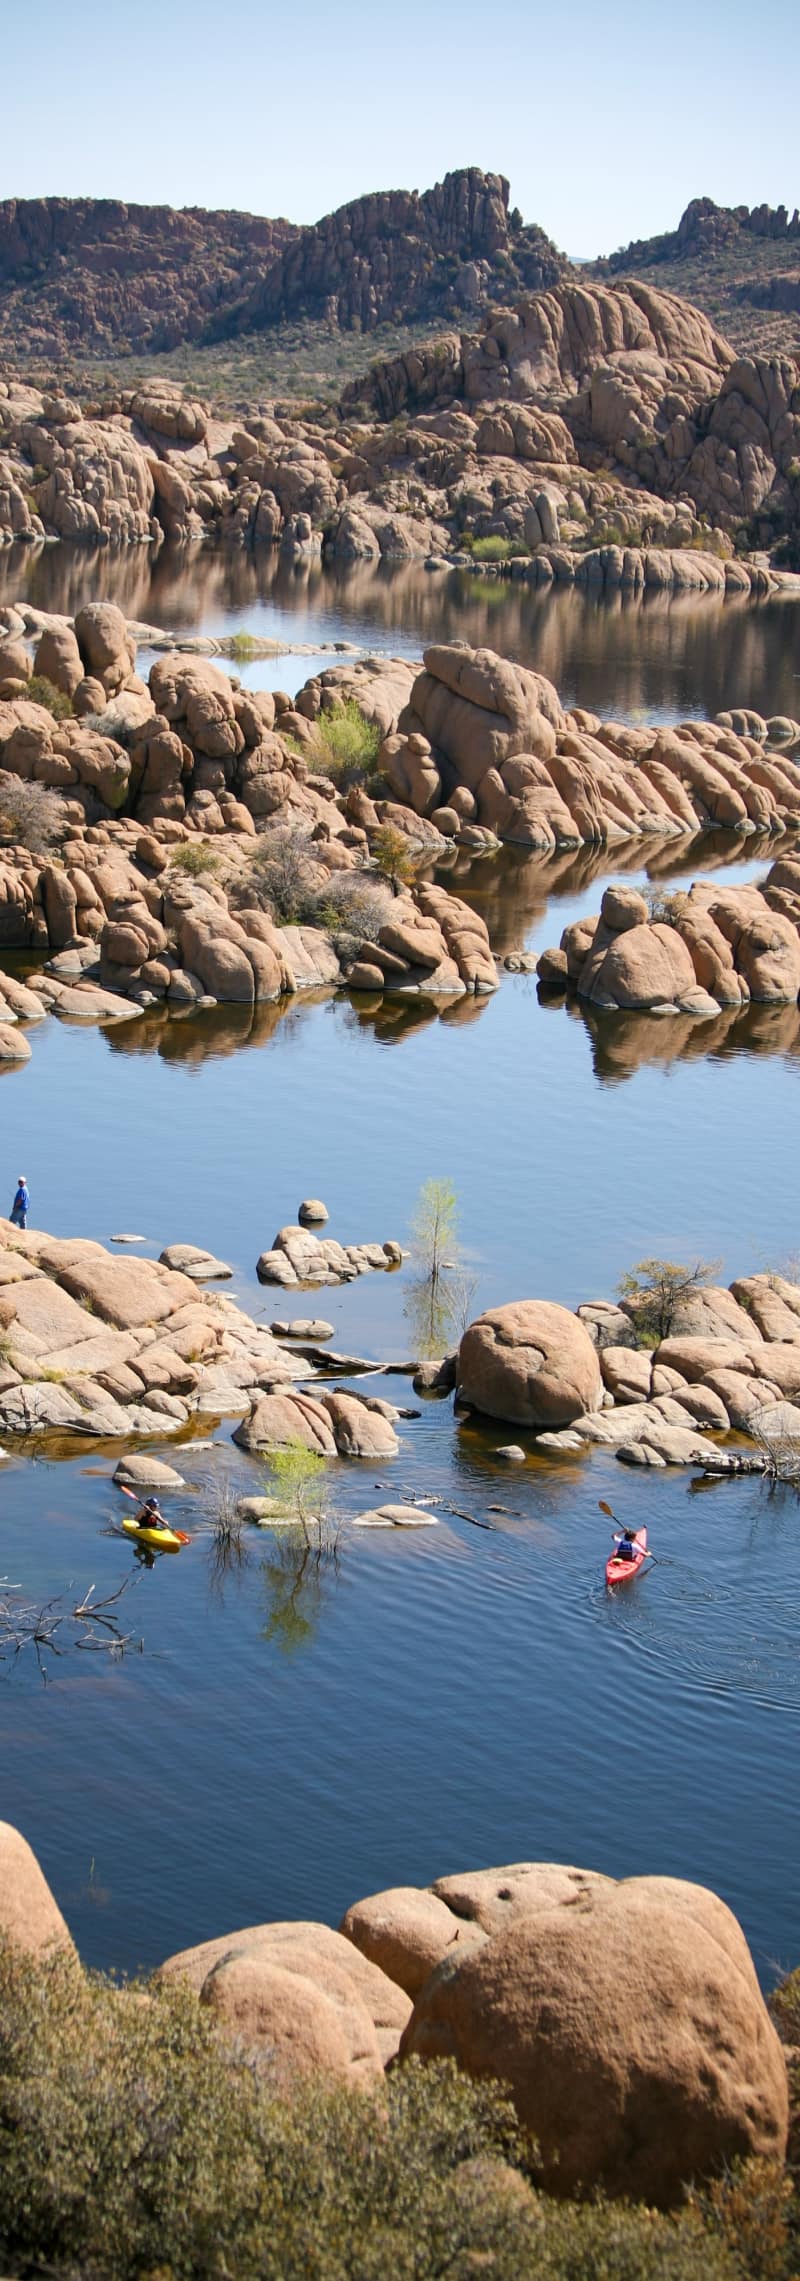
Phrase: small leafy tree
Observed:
(653, 1290)
(434, 1223)
(440, 1294)
(392, 854)
(299, 1482)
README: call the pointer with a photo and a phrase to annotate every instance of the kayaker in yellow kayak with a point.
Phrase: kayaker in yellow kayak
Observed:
(151, 1516)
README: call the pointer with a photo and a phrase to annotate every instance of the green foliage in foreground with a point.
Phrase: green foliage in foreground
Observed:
(130, 2144)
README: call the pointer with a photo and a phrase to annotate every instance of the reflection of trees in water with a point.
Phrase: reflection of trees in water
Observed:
(631, 654)
(300, 1568)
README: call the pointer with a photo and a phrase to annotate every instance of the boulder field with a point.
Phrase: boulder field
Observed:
(730, 1362)
(113, 1347)
(638, 2084)
(604, 430)
(182, 841)
(697, 952)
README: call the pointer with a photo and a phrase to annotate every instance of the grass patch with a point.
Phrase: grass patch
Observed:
(243, 648)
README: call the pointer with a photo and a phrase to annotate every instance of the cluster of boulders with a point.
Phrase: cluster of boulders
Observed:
(297, 1255)
(730, 1361)
(693, 953)
(173, 797)
(610, 422)
(637, 2082)
(484, 740)
(113, 1346)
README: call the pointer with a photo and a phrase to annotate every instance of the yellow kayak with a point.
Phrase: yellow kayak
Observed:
(161, 1540)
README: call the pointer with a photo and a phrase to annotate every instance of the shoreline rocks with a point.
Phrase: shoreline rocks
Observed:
(692, 953)
(730, 1364)
(638, 2084)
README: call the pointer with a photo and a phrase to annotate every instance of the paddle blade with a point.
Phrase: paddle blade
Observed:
(604, 1508)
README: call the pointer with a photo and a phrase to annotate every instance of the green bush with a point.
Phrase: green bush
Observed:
(344, 742)
(40, 691)
(133, 2145)
(495, 549)
(194, 857)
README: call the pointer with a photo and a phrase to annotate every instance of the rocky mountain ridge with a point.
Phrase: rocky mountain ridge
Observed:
(731, 261)
(99, 276)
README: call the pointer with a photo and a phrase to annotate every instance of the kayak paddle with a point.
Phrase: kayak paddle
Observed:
(604, 1508)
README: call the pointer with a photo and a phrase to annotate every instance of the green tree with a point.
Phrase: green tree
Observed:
(653, 1290)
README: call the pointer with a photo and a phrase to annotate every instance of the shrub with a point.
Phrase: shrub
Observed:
(243, 647)
(392, 854)
(654, 1290)
(194, 857)
(132, 2144)
(496, 549)
(298, 1477)
(40, 691)
(31, 816)
(281, 874)
(352, 904)
(345, 745)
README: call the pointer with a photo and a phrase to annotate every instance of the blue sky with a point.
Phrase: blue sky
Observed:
(606, 117)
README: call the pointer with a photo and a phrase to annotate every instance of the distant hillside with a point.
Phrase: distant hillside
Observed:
(96, 278)
(92, 275)
(739, 264)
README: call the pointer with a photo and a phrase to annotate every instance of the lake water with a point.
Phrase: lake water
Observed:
(463, 1695)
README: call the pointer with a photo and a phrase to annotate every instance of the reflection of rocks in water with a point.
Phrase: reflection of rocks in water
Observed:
(513, 890)
(623, 1043)
(673, 653)
(209, 1035)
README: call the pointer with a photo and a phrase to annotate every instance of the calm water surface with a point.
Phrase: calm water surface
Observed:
(284, 1742)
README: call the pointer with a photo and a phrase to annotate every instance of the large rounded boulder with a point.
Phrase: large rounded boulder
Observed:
(630, 2028)
(531, 1364)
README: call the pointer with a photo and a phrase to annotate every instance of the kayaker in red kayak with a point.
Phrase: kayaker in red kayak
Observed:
(627, 1548)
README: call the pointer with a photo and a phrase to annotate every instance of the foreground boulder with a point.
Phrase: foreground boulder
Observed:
(636, 2080)
(28, 1913)
(531, 1363)
(300, 1995)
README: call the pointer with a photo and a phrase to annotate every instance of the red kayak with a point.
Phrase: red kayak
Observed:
(623, 1571)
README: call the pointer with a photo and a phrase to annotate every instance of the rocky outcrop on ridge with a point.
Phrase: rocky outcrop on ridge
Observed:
(94, 275)
(729, 260)
(398, 255)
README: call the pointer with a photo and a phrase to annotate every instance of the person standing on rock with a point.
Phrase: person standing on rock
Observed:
(22, 1203)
